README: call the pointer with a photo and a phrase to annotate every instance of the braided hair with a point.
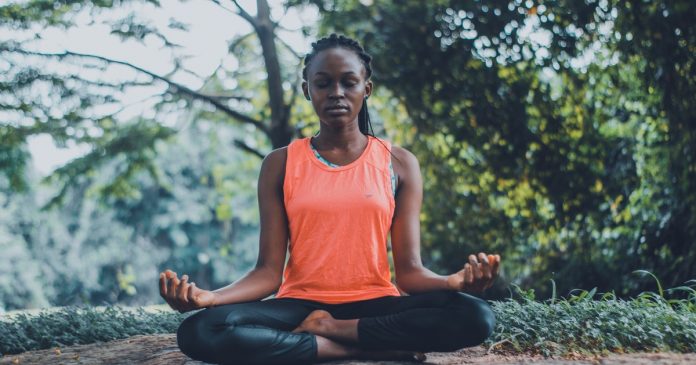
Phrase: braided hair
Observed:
(335, 41)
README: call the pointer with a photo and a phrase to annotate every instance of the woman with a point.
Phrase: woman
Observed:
(335, 197)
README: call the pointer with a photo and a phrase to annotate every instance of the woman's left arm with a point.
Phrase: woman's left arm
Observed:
(411, 276)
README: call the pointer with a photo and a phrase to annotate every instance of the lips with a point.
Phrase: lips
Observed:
(337, 108)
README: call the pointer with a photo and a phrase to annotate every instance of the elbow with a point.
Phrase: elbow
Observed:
(407, 278)
(278, 280)
(273, 278)
(276, 286)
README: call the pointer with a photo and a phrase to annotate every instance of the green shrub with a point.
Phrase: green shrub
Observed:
(72, 325)
(584, 324)
(580, 323)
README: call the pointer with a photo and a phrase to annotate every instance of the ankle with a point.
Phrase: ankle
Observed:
(325, 326)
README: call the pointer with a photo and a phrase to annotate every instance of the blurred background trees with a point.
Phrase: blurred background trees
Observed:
(550, 131)
(558, 133)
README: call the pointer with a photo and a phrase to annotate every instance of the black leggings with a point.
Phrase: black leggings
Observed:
(259, 332)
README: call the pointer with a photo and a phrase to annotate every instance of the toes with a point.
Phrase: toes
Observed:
(419, 356)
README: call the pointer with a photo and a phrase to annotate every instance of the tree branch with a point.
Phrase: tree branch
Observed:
(231, 47)
(295, 90)
(287, 46)
(185, 90)
(239, 143)
(230, 97)
(243, 13)
(217, 2)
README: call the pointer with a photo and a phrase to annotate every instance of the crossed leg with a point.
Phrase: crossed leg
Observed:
(432, 321)
(261, 332)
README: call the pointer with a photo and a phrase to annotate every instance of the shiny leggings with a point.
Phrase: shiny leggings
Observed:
(259, 332)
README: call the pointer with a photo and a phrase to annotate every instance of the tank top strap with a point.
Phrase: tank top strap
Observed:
(295, 157)
(380, 154)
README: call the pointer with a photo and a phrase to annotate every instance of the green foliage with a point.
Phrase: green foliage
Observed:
(583, 324)
(580, 323)
(74, 325)
(572, 157)
(194, 211)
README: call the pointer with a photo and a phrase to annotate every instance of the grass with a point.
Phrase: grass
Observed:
(584, 323)
(587, 323)
(69, 326)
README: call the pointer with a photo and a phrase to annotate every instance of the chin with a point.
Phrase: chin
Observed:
(339, 120)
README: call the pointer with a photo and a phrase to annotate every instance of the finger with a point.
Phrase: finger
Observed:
(163, 285)
(189, 294)
(183, 290)
(474, 282)
(486, 269)
(491, 259)
(468, 275)
(483, 258)
(474, 266)
(173, 284)
(184, 279)
(476, 270)
(496, 265)
(173, 287)
(494, 271)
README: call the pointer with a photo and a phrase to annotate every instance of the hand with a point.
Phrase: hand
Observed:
(182, 296)
(477, 275)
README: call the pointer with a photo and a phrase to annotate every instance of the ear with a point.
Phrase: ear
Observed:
(305, 90)
(368, 88)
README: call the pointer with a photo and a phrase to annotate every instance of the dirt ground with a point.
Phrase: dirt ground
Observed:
(162, 349)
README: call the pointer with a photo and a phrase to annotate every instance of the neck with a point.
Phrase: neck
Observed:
(346, 138)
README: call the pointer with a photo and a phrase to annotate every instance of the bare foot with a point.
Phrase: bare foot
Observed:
(317, 322)
(313, 321)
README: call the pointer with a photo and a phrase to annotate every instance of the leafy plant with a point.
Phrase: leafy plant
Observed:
(581, 323)
(73, 325)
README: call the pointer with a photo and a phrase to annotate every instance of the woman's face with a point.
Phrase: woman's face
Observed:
(336, 85)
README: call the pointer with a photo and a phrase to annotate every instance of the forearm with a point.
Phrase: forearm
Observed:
(255, 285)
(421, 279)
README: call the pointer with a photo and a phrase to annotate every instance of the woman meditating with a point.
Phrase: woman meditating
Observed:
(335, 197)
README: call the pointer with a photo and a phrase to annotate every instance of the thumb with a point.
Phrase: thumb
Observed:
(191, 293)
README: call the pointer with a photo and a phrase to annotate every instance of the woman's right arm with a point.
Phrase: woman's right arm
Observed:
(265, 278)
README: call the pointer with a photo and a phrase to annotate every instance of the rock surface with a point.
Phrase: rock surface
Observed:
(162, 350)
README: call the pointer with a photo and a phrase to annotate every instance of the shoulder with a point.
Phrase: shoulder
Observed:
(405, 160)
(276, 157)
(273, 165)
(405, 166)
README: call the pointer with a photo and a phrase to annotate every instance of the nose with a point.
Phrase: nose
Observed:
(336, 91)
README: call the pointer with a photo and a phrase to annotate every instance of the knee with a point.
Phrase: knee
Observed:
(486, 320)
(211, 333)
(477, 319)
(189, 337)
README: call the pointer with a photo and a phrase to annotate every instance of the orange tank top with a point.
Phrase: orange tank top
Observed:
(338, 218)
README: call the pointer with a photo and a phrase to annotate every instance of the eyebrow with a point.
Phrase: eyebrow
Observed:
(326, 73)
